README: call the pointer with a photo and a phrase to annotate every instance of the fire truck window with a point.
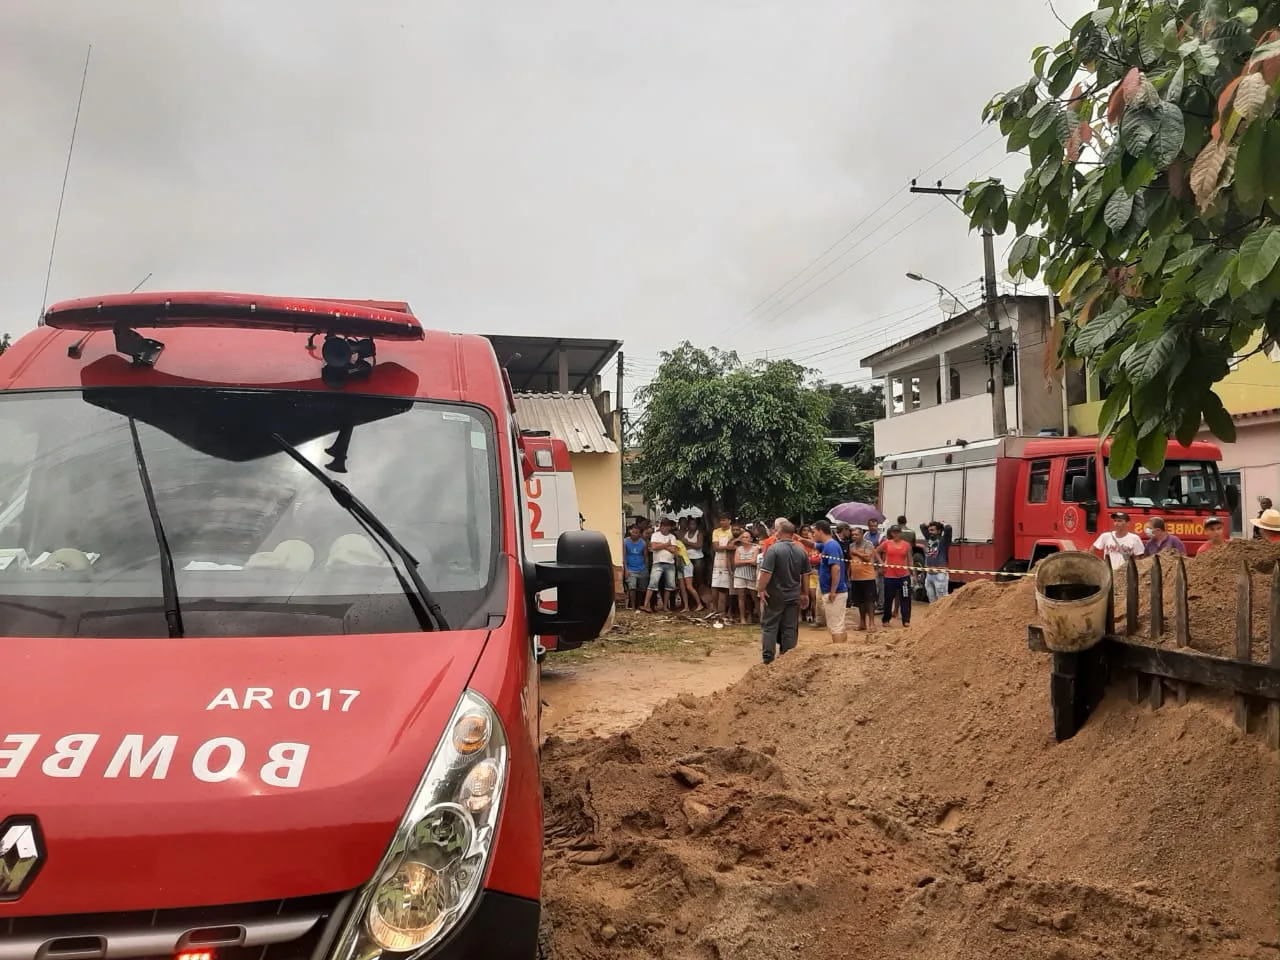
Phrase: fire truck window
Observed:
(1076, 467)
(1038, 484)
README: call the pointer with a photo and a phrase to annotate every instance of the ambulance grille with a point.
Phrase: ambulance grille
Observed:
(301, 928)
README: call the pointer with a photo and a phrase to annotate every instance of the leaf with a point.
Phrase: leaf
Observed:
(1118, 210)
(1217, 418)
(1019, 135)
(1250, 96)
(1249, 185)
(1271, 149)
(1110, 412)
(1115, 106)
(1157, 250)
(1224, 98)
(1151, 450)
(1136, 131)
(1149, 363)
(1170, 132)
(1206, 171)
(1259, 254)
(1187, 259)
(1214, 276)
(1018, 253)
(1073, 278)
(1174, 92)
(1131, 83)
(1043, 119)
(1124, 449)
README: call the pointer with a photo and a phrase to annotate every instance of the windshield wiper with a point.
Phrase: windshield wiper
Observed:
(168, 579)
(375, 527)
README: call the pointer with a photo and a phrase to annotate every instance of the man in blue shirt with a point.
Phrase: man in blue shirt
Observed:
(636, 553)
(832, 585)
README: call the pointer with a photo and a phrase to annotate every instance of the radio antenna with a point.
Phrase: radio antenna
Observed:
(53, 246)
(140, 283)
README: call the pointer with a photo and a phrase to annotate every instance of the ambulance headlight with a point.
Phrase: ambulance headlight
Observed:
(437, 859)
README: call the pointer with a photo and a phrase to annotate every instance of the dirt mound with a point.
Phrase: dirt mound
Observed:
(906, 799)
(1211, 594)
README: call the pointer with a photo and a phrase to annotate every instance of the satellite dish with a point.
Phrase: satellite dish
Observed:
(950, 306)
(1011, 278)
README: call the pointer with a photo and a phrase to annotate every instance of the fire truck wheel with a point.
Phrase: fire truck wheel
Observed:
(546, 939)
(918, 591)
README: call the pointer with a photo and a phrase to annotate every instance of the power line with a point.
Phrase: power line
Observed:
(841, 273)
(852, 230)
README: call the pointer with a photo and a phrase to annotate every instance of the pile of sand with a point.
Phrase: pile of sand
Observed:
(1212, 579)
(906, 799)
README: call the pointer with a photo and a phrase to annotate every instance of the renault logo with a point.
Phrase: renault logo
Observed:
(22, 855)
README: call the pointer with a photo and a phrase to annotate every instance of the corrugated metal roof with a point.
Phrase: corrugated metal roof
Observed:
(571, 417)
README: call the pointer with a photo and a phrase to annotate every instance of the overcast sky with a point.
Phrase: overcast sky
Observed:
(645, 171)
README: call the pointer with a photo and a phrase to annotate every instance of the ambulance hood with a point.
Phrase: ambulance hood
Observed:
(170, 773)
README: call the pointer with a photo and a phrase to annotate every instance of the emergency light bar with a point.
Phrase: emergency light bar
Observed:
(349, 326)
(233, 310)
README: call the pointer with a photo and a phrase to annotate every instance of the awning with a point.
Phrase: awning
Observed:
(571, 417)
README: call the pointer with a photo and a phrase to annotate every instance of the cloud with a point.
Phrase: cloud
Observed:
(649, 172)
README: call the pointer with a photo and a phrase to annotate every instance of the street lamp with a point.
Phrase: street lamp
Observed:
(923, 279)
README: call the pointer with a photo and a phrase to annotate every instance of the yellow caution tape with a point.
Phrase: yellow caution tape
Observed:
(990, 573)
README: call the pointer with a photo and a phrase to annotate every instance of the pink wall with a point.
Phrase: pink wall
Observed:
(1256, 455)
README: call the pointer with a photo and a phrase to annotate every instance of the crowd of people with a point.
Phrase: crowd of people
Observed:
(675, 563)
(1122, 541)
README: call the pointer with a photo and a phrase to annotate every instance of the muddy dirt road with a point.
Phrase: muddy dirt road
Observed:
(613, 685)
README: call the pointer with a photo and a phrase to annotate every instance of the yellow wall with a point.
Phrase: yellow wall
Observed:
(1253, 385)
(598, 480)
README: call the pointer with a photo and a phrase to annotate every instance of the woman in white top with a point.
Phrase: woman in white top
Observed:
(691, 536)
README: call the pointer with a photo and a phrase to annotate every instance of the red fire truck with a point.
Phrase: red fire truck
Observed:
(1012, 501)
(269, 623)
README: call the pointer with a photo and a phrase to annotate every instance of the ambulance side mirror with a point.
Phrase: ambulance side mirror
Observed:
(582, 576)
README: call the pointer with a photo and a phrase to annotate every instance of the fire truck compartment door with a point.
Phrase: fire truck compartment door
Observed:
(980, 503)
(948, 500)
(895, 496)
(919, 498)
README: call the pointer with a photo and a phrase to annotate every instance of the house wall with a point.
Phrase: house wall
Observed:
(933, 426)
(598, 479)
(1041, 401)
(1256, 456)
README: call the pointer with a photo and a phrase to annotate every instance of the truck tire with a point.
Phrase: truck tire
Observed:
(918, 591)
(546, 938)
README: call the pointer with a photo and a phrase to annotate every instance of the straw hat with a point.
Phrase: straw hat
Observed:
(1270, 520)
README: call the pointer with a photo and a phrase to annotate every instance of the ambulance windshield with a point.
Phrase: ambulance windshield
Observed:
(259, 546)
(1181, 484)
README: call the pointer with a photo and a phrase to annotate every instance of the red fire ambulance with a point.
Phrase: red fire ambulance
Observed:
(1012, 501)
(268, 617)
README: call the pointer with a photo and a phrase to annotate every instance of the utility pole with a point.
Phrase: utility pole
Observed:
(993, 351)
(621, 428)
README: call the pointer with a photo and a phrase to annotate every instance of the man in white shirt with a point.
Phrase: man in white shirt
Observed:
(663, 575)
(1119, 543)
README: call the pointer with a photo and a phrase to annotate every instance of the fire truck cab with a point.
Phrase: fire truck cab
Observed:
(1011, 502)
(269, 618)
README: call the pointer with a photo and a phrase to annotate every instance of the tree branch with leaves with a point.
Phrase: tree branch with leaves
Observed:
(1150, 205)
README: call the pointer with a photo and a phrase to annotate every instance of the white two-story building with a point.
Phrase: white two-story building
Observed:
(936, 381)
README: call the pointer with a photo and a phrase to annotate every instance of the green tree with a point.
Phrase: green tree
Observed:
(4, 343)
(1153, 191)
(853, 411)
(743, 437)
